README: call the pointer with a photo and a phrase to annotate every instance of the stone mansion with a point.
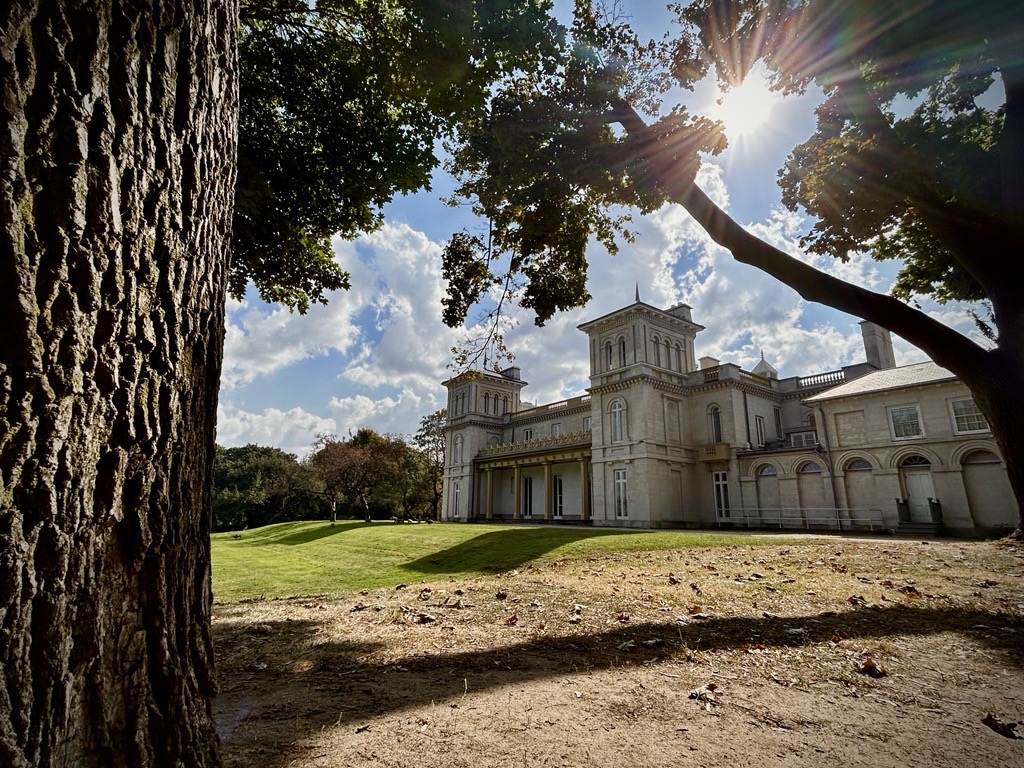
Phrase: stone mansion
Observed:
(658, 442)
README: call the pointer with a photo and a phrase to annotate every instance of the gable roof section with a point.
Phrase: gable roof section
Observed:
(888, 379)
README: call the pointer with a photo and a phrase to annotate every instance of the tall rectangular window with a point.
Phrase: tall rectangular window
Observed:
(586, 423)
(759, 428)
(620, 493)
(778, 422)
(557, 498)
(618, 422)
(905, 421)
(527, 501)
(721, 480)
(556, 429)
(527, 434)
(967, 417)
(455, 499)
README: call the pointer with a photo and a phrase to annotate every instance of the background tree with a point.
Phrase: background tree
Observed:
(940, 188)
(352, 469)
(256, 485)
(431, 441)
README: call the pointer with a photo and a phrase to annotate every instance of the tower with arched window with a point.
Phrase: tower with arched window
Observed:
(480, 405)
(641, 360)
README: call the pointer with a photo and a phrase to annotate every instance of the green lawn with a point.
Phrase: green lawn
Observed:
(314, 558)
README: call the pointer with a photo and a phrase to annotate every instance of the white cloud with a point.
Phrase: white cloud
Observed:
(293, 430)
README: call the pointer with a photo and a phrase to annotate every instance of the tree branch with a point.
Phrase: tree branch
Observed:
(958, 225)
(946, 346)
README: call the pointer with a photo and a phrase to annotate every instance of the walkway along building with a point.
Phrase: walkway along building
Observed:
(658, 442)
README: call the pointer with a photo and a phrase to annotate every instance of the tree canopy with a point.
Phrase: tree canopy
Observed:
(342, 103)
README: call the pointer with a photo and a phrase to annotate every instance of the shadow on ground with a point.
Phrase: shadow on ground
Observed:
(498, 551)
(264, 537)
(339, 690)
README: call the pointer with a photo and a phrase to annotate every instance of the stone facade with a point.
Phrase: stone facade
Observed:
(659, 442)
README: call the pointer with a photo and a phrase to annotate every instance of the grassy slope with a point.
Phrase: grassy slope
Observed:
(314, 558)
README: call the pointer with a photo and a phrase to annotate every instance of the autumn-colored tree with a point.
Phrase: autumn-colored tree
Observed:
(352, 469)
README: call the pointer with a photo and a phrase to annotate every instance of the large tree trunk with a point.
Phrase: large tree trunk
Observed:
(117, 145)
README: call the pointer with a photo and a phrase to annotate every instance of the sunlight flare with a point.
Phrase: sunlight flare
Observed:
(746, 107)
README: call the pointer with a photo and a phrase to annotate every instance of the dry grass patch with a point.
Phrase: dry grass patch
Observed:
(803, 652)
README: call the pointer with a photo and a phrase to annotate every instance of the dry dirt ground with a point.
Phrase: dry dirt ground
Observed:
(800, 652)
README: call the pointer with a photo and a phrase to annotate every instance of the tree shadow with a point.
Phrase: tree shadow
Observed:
(305, 536)
(347, 691)
(498, 551)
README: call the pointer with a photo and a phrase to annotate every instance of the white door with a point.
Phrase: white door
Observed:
(919, 490)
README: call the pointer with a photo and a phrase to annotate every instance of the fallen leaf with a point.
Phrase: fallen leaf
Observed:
(622, 618)
(871, 669)
(425, 618)
(857, 600)
(512, 620)
(500, 594)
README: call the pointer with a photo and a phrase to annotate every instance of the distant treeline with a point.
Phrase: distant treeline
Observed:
(366, 475)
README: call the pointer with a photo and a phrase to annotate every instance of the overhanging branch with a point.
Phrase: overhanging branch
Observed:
(946, 346)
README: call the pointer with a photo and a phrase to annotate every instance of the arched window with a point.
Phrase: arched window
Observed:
(657, 351)
(768, 469)
(618, 422)
(859, 465)
(487, 402)
(608, 356)
(668, 355)
(715, 424)
(811, 466)
(915, 461)
(981, 457)
(504, 405)
(622, 350)
(457, 450)
(679, 359)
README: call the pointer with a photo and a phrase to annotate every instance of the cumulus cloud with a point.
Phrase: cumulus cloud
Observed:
(376, 355)
(293, 430)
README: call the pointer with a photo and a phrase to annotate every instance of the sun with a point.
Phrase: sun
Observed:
(745, 108)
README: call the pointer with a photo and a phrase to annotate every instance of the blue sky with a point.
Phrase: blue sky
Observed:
(377, 354)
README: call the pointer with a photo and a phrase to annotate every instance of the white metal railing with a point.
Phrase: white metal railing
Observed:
(859, 519)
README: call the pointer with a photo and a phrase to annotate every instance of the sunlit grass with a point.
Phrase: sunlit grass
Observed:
(310, 558)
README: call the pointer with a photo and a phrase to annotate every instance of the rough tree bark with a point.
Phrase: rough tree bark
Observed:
(117, 147)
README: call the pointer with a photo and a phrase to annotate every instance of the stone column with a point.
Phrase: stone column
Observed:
(584, 495)
(489, 501)
(517, 483)
(547, 491)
